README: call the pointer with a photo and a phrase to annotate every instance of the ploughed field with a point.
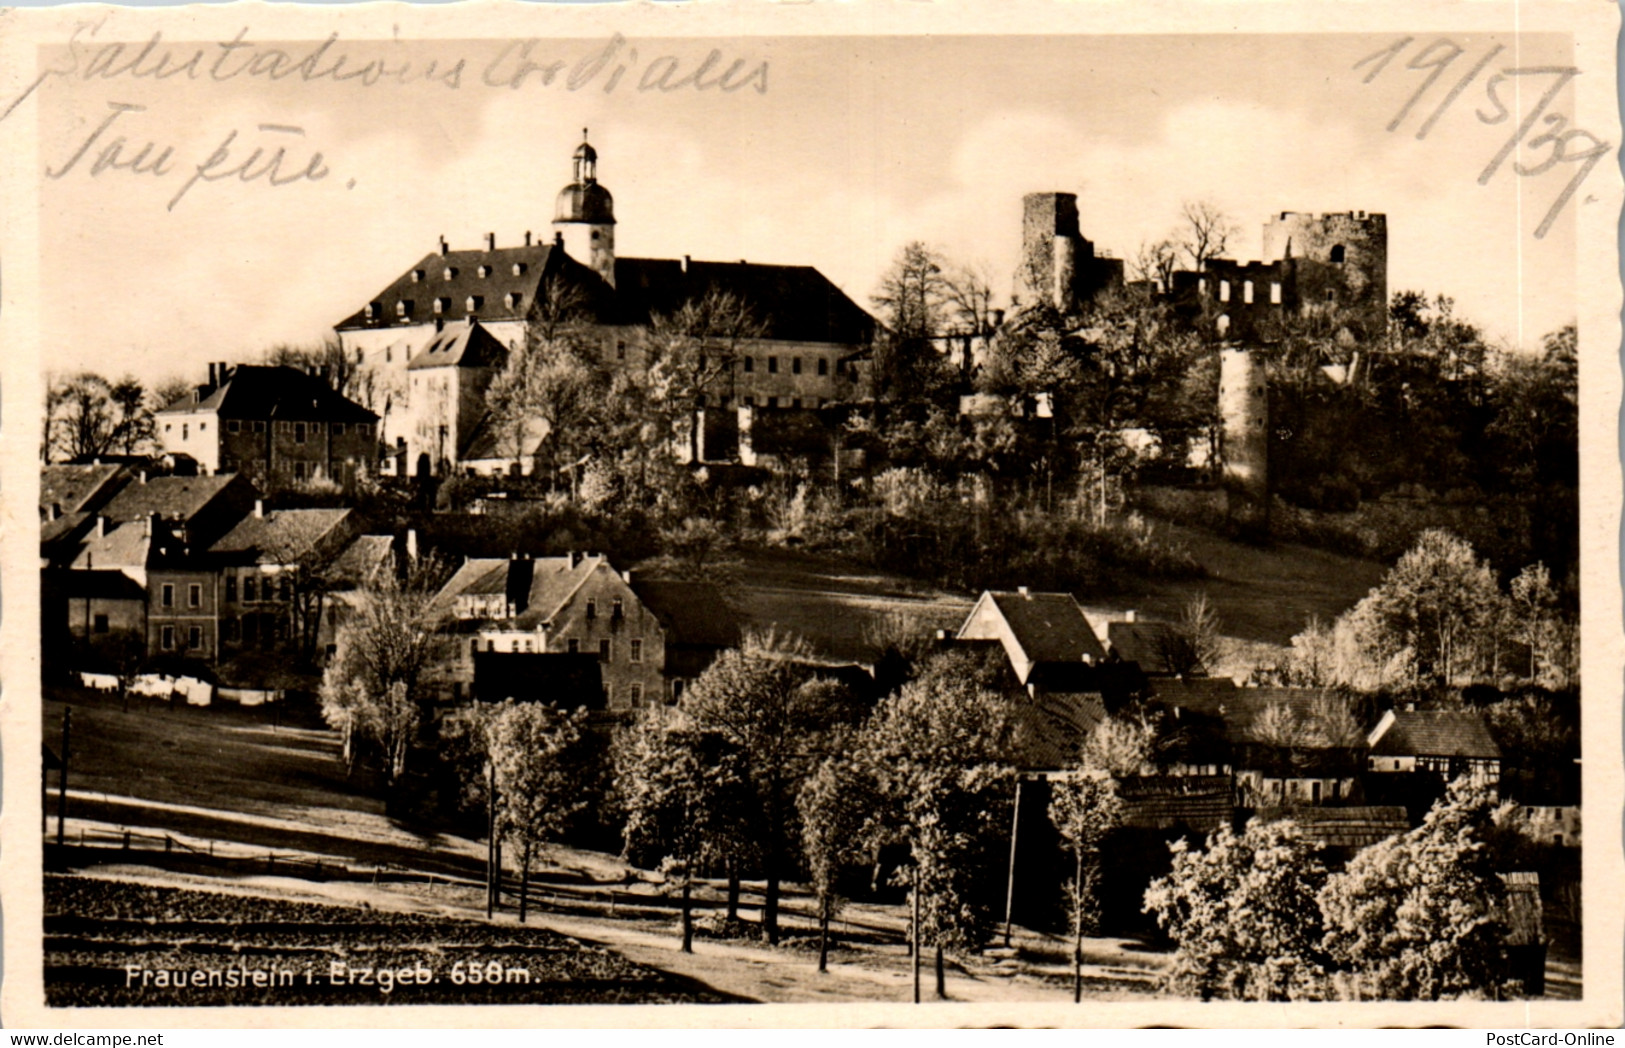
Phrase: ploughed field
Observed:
(112, 943)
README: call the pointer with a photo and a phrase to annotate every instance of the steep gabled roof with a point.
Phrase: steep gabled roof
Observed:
(173, 498)
(1051, 728)
(794, 303)
(75, 488)
(280, 536)
(1049, 627)
(694, 613)
(1147, 643)
(476, 576)
(1358, 827)
(464, 345)
(1433, 733)
(133, 544)
(255, 391)
(554, 580)
(509, 271)
(361, 560)
(1238, 708)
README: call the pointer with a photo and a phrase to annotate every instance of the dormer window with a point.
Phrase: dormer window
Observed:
(518, 269)
(441, 305)
(372, 311)
(484, 272)
(403, 308)
(475, 302)
(418, 275)
(513, 299)
(450, 273)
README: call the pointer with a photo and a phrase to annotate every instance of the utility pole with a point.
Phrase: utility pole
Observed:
(62, 782)
(914, 930)
(1010, 884)
(490, 838)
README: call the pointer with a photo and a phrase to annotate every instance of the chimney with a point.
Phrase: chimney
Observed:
(143, 476)
(575, 558)
(259, 509)
(212, 377)
(527, 238)
(490, 241)
(439, 324)
(626, 576)
(558, 238)
(686, 261)
(101, 526)
(1023, 591)
(445, 248)
(412, 543)
(1128, 616)
(225, 372)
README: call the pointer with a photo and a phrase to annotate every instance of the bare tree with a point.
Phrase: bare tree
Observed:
(1205, 231)
(86, 416)
(1156, 261)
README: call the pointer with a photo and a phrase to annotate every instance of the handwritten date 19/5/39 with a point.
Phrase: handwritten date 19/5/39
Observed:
(1555, 143)
(264, 159)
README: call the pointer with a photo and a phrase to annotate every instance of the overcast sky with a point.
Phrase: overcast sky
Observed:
(856, 147)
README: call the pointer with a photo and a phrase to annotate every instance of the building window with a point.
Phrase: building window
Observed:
(1337, 253)
(637, 694)
(372, 311)
(772, 402)
(449, 273)
(617, 609)
(299, 469)
(250, 590)
(573, 646)
(194, 596)
(795, 365)
(418, 275)
(518, 269)
(100, 624)
(1331, 295)
(823, 365)
(1275, 292)
(168, 596)
(201, 426)
(592, 608)
(194, 637)
(403, 308)
(604, 651)
(167, 638)
(184, 433)
(231, 588)
(750, 401)
(636, 654)
(298, 432)
(474, 646)
(1224, 291)
(750, 364)
(233, 426)
(484, 271)
(338, 429)
(795, 402)
(259, 426)
(475, 302)
(513, 300)
(441, 305)
(1247, 291)
(772, 365)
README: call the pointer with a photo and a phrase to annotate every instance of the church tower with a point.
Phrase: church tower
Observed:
(584, 217)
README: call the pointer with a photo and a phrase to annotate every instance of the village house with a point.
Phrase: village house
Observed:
(271, 562)
(808, 344)
(66, 489)
(571, 604)
(1447, 744)
(198, 509)
(279, 426)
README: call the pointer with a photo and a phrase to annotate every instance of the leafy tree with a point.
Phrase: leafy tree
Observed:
(1244, 915)
(373, 687)
(938, 752)
(835, 803)
(688, 800)
(1121, 745)
(1084, 809)
(1538, 623)
(1432, 605)
(1418, 916)
(761, 701)
(535, 758)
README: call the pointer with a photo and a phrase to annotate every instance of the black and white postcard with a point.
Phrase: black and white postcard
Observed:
(879, 514)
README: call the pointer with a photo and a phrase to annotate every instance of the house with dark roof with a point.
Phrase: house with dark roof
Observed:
(272, 569)
(575, 604)
(1155, 647)
(699, 625)
(198, 509)
(67, 489)
(807, 345)
(180, 615)
(1448, 744)
(279, 426)
(1034, 629)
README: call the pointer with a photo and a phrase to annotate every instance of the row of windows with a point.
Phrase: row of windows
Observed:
(298, 429)
(194, 638)
(795, 365)
(255, 589)
(1247, 291)
(186, 429)
(450, 272)
(606, 648)
(194, 595)
(771, 402)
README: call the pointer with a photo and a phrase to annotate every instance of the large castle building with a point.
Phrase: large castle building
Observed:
(430, 343)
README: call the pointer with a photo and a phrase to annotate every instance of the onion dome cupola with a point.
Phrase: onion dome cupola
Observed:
(584, 216)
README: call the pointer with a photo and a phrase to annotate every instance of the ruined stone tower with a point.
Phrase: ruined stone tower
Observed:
(1340, 265)
(1244, 411)
(1058, 264)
